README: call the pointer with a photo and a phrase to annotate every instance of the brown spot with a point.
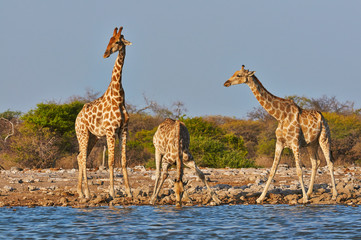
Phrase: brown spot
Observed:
(267, 105)
(291, 129)
(116, 85)
(282, 107)
(272, 111)
(288, 108)
(277, 114)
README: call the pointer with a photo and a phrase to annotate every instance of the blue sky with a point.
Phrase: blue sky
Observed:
(182, 51)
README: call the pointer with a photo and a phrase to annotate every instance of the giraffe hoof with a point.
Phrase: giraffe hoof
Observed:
(305, 201)
(259, 200)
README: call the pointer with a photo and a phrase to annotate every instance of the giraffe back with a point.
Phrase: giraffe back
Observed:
(171, 137)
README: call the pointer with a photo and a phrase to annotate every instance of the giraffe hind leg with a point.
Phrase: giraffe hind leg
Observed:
(312, 151)
(163, 177)
(86, 142)
(326, 149)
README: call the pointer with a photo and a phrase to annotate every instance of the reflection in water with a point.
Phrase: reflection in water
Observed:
(168, 222)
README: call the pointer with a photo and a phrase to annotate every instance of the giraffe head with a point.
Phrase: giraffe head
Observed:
(116, 43)
(239, 77)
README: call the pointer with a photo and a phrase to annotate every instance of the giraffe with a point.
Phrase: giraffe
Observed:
(171, 142)
(297, 128)
(105, 116)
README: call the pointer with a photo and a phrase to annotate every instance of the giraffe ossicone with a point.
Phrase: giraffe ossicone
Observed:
(106, 116)
(297, 128)
(171, 142)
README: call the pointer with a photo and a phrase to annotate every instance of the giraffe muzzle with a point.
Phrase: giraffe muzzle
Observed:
(227, 83)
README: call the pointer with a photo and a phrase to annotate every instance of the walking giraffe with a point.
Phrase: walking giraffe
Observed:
(105, 116)
(171, 142)
(297, 128)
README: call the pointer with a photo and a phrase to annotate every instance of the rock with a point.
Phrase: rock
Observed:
(63, 200)
(139, 168)
(33, 188)
(222, 186)
(9, 188)
(15, 169)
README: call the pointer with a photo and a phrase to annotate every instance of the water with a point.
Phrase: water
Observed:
(167, 222)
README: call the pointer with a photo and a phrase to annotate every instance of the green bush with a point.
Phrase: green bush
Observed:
(211, 146)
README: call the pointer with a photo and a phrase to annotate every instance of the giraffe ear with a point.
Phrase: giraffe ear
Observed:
(252, 73)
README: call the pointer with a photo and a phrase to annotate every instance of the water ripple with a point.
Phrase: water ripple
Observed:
(168, 222)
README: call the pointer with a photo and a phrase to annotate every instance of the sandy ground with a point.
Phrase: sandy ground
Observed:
(57, 187)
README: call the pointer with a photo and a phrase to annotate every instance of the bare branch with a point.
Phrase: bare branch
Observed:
(12, 128)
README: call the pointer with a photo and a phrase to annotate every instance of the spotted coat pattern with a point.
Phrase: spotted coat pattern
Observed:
(171, 142)
(105, 116)
(297, 128)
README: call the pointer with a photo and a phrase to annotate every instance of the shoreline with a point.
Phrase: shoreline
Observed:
(57, 187)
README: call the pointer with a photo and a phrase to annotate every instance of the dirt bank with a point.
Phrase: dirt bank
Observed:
(57, 187)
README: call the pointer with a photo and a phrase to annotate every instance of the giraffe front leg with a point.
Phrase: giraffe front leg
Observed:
(278, 151)
(178, 189)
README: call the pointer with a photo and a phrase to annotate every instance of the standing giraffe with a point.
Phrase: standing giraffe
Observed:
(296, 128)
(171, 142)
(105, 116)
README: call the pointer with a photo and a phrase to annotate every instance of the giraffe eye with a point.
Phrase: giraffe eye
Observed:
(239, 75)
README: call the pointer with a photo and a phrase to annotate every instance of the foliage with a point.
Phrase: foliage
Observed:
(211, 146)
(45, 136)
(35, 148)
(346, 136)
(59, 118)
(9, 115)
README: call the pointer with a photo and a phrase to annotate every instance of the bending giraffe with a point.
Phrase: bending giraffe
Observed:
(297, 128)
(171, 142)
(105, 116)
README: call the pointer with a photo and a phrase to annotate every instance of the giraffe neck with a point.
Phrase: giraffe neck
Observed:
(272, 104)
(115, 87)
